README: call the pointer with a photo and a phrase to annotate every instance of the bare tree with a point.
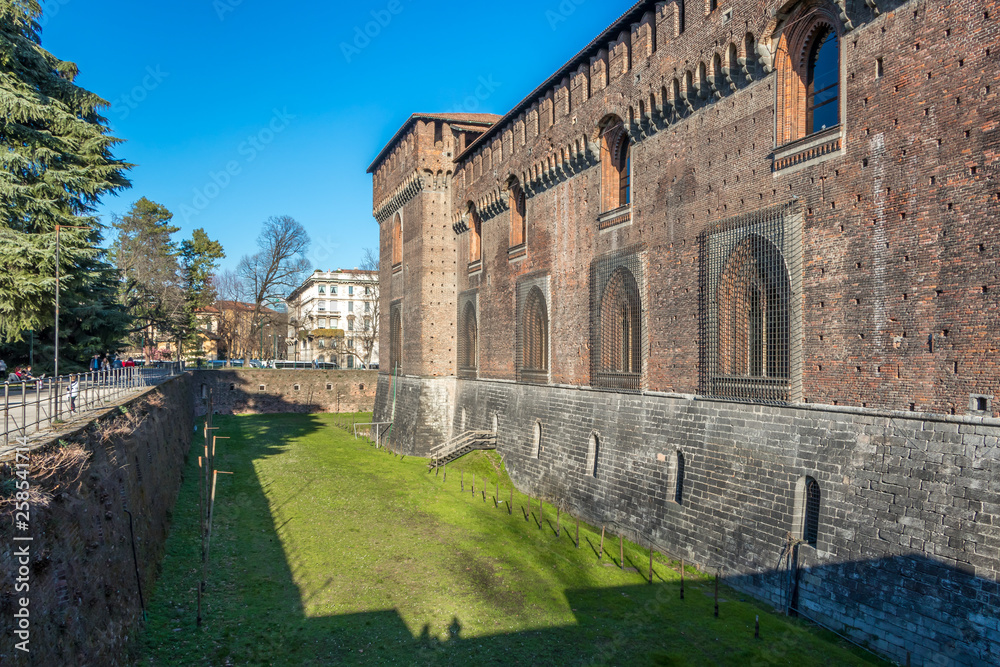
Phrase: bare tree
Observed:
(368, 337)
(276, 269)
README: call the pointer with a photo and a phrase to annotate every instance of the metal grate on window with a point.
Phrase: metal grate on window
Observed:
(533, 329)
(619, 351)
(750, 287)
(468, 334)
(810, 532)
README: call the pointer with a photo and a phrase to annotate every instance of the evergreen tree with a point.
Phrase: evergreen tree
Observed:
(199, 258)
(55, 165)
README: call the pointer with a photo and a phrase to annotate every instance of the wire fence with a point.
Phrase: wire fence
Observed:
(36, 404)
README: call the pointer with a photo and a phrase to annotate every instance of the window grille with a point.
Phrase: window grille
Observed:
(679, 479)
(619, 349)
(395, 336)
(810, 529)
(468, 335)
(533, 329)
(751, 306)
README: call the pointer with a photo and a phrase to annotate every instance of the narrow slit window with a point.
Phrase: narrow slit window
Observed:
(823, 82)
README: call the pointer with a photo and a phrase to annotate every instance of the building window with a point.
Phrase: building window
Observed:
(616, 165)
(619, 322)
(536, 445)
(350, 306)
(810, 529)
(534, 334)
(680, 17)
(469, 338)
(823, 82)
(679, 478)
(321, 305)
(322, 290)
(475, 236)
(750, 321)
(518, 231)
(333, 289)
(808, 64)
(350, 362)
(368, 307)
(350, 290)
(397, 241)
(350, 324)
(395, 337)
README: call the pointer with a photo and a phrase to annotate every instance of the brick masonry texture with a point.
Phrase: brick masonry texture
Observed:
(898, 302)
(239, 391)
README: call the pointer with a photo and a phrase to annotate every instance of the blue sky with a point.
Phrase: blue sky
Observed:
(237, 110)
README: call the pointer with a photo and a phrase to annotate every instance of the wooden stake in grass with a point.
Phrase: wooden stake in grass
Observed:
(650, 563)
(463, 480)
(621, 550)
(496, 501)
(558, 516)
(578, 532)
(600, 554)
(473, 483)
(510, 505)
(716, 593)
(682, 578)
(540, 515)
(444, 478)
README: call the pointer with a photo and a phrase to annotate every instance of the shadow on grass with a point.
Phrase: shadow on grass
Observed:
(256, 604)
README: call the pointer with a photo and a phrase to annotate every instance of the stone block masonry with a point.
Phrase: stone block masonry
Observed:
(906, 554)
(276, 391)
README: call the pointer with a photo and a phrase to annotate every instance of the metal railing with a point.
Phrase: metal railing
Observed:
(34, 404)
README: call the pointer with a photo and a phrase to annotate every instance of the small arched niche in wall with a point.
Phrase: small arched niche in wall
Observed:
(536, 445)
(675, 476)
(593, 453)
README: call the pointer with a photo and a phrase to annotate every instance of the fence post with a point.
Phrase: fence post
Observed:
(600, 553)
(717, 593)
(682, 578)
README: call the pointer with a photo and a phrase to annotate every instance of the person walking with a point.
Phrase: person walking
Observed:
(95, 363)
(3, 367)
(74, 391)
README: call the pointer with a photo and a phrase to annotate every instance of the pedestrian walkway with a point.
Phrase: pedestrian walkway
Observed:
(38, 405)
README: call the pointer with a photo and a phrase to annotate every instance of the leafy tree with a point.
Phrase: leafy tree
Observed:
(55, 165)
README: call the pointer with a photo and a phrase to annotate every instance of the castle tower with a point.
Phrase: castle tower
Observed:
(412, 200)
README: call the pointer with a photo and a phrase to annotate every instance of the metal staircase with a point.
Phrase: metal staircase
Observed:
(461, 445)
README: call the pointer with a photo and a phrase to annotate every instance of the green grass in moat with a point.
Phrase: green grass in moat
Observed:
(326, 551)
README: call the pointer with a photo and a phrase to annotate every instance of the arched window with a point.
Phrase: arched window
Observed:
(470, 338)
(395, 339)
(518, 231)
(808, 65)
(397, 241)
(823, 82)
(753, 318)
(536, 444)
(475, 235)
(616, 166)
(810, 525)
(620, 332)
(679, 479)
(536, 332)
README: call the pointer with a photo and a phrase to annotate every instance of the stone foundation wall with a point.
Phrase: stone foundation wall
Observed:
(909, 521)
(240, 392)
(420, 410)
(82, 586)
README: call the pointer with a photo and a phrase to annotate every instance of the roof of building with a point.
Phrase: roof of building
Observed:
(634, 12)
(221, 305)
(479, 120)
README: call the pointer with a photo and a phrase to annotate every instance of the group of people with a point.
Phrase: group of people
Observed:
(20, 374)
(108, 362)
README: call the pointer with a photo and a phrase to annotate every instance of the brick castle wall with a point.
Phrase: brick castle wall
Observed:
(239, 391)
